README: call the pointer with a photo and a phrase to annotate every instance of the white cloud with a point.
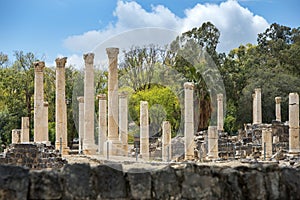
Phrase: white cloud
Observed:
(237, 24)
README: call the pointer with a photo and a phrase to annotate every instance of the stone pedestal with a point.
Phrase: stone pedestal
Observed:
(220, 115)
(189, 120)
(89, 146)
(61, 139)
(80, 122)
(166, 142)
(102, 123)
(38, 100)
(25, 130)
(15, 136)
(113, 102)
(123, 122)
(144, 130)
(266, 141)
(278, 108)
(213, 136)
(294, 123)
(257, 112)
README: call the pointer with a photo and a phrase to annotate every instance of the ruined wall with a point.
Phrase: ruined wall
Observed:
(181, 181)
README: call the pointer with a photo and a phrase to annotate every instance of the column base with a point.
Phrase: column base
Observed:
(114, 148)
(65, 149)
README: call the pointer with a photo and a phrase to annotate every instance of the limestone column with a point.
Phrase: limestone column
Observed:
(38, 100)
(266, 141)
(102, 124)
(213, 137)
(89, 146)
(220, 118)
(15, 136)
(189, 120)
(25, 129)
(294, 123)
(166, 141)
(254, 109)
(60, 107)
(144, 130)
(123, 121)
(257, 112)
(45, 124)
(278, 108)
(115, 146)
(80, 122)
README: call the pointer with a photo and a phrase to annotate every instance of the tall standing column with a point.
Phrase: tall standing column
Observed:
(220, 118)
(45, 124)
(38, 100)
(123, 121)
(115, 146)
(189, 120)
(266, 142)
(89, 146)
(213, 137)
(278, 108)
(25, 129)
(80, 122)
(254, 109)
(102, 123)
(60, 107)
(257, 112)
(166, 141)
(144, 130)
(294, 123)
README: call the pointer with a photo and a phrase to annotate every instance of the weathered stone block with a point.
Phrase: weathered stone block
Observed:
(139, 183)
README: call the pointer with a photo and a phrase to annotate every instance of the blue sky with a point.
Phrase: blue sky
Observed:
(52, 28)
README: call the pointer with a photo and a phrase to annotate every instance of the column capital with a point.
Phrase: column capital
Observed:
(278, 100)
(88, 58)
(293, 98)
(80, 99)
(61, 62)
(123, 94)
(101, 96)
(143, 103)
(220, 97)
(46, 104)
(112, 52)
(257, 90)
(39, 66)
(188, 85)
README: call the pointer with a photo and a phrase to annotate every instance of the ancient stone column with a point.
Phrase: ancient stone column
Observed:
(166, 141)
(189, 120)
(15, 136)
(38, 100)
(254, 109)
(266, 141)
(25, 129)
(123, 121)
(80, 122)
(257, 112)
(115, 146)
(45, 124)
(61, 138)
(102, 123)
(294, 123)
(213, 137)
(144, 130)
(220, 115)
(278, 108)
(89, 146)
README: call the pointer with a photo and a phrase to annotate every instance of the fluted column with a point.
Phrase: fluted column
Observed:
(25, 129)
(89, 146)
(189, 120)
(278, 108)
(144, 130)
(61, 139)
(294, 123)
(38, 100)
(102, 123)
(166, 141)
(80, 121)
(220, 115)
(123, 121)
